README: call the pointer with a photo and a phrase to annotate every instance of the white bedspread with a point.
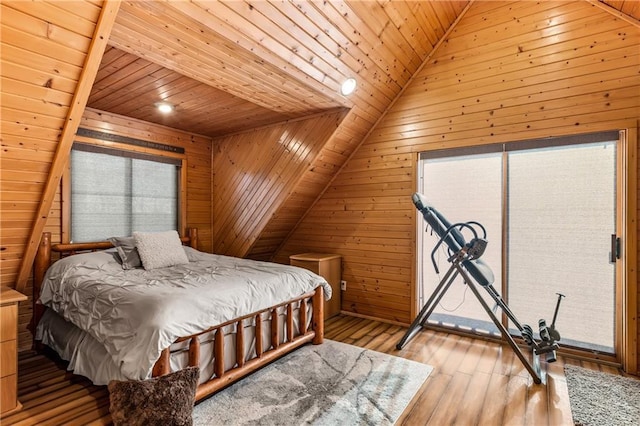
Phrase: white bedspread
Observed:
(136, 313)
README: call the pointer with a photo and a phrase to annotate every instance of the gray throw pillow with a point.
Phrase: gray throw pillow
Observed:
(128, 255)
(160, 249)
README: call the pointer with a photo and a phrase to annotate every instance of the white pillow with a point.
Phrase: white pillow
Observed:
(160, 249)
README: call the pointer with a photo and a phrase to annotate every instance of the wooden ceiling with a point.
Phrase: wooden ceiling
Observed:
(233, 65)
(630, 8)
(237, 64)
(230, 66)
(131, 86)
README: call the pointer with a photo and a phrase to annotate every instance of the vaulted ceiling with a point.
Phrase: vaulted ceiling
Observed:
(230, 66)
(233, 65)
(236, 64)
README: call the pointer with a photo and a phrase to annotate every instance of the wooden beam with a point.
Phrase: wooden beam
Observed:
(615, 12)
(78, 104)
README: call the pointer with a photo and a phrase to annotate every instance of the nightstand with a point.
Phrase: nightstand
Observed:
(328, 266)
(9, 300)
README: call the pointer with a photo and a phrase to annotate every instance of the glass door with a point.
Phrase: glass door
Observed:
(561, 214)
(549, 207)
(462, 188)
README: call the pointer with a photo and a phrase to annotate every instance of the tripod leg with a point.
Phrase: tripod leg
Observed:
(428, 307)
(534, 371)
(505, 308)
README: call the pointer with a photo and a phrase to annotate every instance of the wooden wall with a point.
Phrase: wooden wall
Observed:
(41, 64)
(43, 48)
(509, 71)
(256, 173)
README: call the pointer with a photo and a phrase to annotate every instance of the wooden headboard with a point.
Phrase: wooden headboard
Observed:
(43, 261)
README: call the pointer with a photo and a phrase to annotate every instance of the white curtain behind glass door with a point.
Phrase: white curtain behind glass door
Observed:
(561, 214)
(464, 188)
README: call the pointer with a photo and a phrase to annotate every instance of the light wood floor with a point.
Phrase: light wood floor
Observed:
(473, 382)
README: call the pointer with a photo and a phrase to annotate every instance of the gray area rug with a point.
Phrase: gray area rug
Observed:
(328, 384)
(599, 398)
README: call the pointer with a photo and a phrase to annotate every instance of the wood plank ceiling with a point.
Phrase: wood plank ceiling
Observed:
(628, 7)
(131, 86)
(233, 65)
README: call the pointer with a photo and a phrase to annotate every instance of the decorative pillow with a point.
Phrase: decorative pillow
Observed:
(127, 252)
(160, 249)
(164, 400)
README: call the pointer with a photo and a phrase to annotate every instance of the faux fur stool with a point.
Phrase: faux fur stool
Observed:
(165, 400)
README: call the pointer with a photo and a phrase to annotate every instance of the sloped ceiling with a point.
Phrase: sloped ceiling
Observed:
(261, 61)
(234, 65)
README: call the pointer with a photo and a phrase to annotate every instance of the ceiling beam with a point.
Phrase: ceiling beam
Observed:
(615, 12)
(79, 102)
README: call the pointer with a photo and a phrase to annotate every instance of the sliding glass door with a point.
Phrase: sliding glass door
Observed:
(549, 207)
(463, 188)
(561, 214)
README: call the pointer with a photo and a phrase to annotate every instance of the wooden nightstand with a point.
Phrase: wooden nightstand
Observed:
(9, 300)
(328, 266)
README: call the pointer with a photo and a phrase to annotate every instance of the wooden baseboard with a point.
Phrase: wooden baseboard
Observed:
(17, 408)
(386, 321)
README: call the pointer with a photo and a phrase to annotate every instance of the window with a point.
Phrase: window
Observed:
(550, 208)
(114, 193)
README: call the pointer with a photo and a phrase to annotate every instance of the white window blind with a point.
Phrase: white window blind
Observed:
(114, 194)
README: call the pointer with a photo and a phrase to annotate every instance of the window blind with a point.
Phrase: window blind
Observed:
(115, 194)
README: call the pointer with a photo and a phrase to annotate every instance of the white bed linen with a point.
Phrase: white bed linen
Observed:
(135, 314)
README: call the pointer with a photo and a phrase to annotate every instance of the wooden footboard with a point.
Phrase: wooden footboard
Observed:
(263, 354)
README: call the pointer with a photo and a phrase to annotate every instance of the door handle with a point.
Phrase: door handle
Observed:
(615, 249)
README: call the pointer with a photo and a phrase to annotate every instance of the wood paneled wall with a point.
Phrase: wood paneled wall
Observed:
(43, 47)
(41, 63)
(508, 71)
(255, 176)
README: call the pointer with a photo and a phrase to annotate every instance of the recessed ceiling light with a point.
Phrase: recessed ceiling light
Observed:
(164, 107)
(348, 86)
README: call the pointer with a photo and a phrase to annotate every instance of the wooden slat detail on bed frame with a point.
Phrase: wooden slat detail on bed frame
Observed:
(242, 367)
(275, 332)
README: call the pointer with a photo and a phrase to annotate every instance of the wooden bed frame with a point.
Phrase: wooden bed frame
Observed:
(242, 367)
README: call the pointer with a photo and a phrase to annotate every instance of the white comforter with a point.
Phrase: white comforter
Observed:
(136, 313)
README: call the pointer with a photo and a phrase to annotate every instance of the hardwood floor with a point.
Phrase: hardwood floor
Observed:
(474, 382)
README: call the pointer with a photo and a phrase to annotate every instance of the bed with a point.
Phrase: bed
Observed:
(229, 316)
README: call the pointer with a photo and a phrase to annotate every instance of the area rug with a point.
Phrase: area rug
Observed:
(599, 398)
(328, 384)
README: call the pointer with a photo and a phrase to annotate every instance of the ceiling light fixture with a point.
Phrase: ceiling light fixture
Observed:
(164, 107)
(348, 86)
